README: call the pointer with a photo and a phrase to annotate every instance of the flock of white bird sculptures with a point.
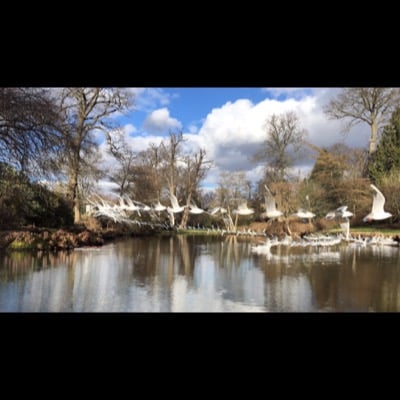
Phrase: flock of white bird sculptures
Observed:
(377, 212)
(126, 207)
(342, 214)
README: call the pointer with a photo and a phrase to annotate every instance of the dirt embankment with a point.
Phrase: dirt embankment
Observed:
(46, 239)
(91, 233)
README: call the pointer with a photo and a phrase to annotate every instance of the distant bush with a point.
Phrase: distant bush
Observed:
(26, 203)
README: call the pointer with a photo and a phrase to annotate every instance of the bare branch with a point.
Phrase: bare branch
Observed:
(285, 140)
(370, 105)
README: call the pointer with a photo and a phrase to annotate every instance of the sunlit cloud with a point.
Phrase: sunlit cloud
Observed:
(141, 143)
(130, 129)
(234, 132)
(160, 121)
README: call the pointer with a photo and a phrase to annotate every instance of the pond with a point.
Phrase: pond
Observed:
(202, 273)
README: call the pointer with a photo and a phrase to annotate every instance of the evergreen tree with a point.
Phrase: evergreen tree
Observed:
(334, 184)
(386, 159)
(328, 169)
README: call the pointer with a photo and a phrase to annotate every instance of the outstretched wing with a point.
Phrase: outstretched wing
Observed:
(378, 200)
(174, 201)
(243, 209)
(343, 212)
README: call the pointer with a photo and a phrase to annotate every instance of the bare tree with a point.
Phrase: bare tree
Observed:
(125, 156)
(170, 153)
(83, 111)
(144, 178)
(370, 105)
(283, 144)
(91, 173)
(27, 119)
(232, 188)
(152, 158)
(195, 170)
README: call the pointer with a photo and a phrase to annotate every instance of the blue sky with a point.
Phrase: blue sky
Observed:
(192, 105)
(228, 122)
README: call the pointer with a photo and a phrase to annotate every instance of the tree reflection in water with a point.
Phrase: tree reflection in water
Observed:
(202, 273)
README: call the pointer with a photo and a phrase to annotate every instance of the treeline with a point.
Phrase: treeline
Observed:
(341, 175)
(50, 159)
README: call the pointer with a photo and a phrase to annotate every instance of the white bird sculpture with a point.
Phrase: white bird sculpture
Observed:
(340, 212)
(377, 212)
(304, 213)
(159, 207)
(243, 209)
(193, 209)
(104, 209)
(218, 210)
(176, 208)
(270, 205)
(131, 206)
(345, 226)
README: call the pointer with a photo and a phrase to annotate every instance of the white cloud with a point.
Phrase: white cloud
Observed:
(140, 143)
(192, 143)
(129, 129)
(137, 143)
(325, 132)
(147, 99)
(232, 133)
(160, 121)
(193, 128)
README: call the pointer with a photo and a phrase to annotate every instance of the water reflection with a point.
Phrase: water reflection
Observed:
(201, 274)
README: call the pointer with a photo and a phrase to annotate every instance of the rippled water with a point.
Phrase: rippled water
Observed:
(202, 274)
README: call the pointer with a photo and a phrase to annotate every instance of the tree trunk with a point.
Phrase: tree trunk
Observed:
(73, 193)
(77, 211)
(289, 231)
(185, 215)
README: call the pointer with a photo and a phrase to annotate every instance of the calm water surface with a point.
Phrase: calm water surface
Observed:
(202, 274)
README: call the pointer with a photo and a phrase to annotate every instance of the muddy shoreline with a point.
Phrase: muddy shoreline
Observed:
(94, 234)
(47, 239)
